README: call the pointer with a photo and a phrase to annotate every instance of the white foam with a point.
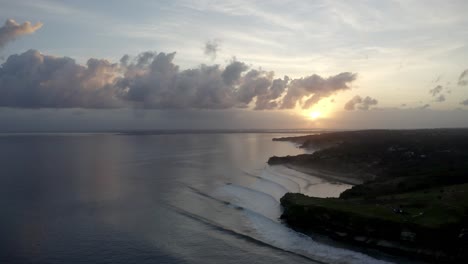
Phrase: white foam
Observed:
(280, 235)
(309, 185)
(283, 237)
(257, 201)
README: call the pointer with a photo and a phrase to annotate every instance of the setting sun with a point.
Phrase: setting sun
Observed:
(314, 114)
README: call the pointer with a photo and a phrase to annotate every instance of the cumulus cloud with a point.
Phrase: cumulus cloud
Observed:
(232, 73)
(11, 30)
(211, 48)
(360, 103)
(436, 90)
(267, 100)
(313, 88)
(152, 80)
(34, 80)
(463, 79)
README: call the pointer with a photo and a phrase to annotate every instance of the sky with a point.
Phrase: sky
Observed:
(123, 65)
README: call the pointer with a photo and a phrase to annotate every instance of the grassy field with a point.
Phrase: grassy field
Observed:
(432, 208)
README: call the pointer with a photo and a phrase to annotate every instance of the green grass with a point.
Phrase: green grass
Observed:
(439, 206)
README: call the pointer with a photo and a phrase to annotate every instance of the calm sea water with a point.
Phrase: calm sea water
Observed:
(181, 198)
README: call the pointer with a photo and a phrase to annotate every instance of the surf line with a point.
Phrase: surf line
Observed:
(269, 168)
(283, 178)
(252, 191)
(230, 204)
(237, 234)
(267, 180)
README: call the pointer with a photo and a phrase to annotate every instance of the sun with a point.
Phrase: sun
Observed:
(314, 114)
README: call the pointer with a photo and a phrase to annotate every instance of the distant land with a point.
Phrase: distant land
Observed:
(410, 195)
(174, 131)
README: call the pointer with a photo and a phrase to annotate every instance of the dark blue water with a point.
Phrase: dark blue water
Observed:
(201, 198)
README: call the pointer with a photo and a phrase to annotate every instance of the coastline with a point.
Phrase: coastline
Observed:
(409, 194)
(326, 175)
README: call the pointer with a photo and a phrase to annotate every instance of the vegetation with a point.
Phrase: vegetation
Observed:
(388, 161)
(414, 198)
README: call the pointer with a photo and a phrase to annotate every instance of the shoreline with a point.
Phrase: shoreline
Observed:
(326, 175)
(409, 194)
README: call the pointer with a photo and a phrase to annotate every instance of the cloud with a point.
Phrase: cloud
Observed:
(267, 100)
(232, 73)
(463, 79)
(360, 103)
(11, 30)
(436, 90)
(313, 88)
(426, 106)
(34, 80)
(256, 83)
(440, 98)
(152, 80)
(350, 105)
(464, 102)
(367, 102)
(211, 48)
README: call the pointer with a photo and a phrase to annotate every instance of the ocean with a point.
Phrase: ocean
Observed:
(155, 198)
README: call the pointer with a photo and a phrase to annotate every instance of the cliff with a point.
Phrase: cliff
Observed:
(430, 224)
(413, 199)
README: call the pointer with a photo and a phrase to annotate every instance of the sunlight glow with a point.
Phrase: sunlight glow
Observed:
(314, 114)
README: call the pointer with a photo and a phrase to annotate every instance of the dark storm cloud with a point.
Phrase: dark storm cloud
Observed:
(315, 88)
(211, 48)
(11, 30)
(360, 103)
(436, 90)
(151, 80)
(463, 79)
